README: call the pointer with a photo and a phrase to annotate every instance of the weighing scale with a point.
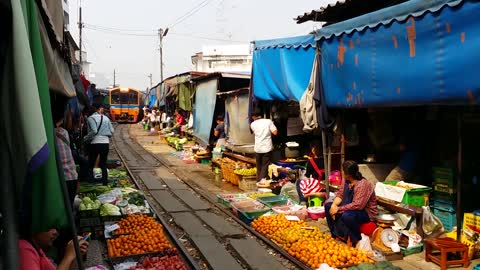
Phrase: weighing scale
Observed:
(384, 236)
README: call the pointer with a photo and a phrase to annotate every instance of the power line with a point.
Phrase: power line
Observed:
(209, 38)
(190, 13)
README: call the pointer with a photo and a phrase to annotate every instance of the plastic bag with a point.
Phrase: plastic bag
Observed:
(364, 243)
(289, 190)
(431, 224)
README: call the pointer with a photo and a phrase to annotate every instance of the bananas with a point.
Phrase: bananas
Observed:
(246, 172)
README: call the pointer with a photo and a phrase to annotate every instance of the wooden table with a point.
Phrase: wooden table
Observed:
(240, 157)
(417, 212)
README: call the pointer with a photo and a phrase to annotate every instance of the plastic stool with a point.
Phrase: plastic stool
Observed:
(368, 228)
(315, 201)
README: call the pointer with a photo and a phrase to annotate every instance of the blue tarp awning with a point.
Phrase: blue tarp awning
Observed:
(282, 67)
(415, 53)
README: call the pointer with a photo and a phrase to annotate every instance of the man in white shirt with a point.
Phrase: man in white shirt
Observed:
(263, 130)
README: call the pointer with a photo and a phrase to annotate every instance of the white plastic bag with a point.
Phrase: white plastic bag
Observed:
(431, 224)
(289, 190)
(364, 243)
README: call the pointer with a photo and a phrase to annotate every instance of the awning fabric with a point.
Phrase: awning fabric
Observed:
(405, 61)
(238, 128)
(59, 76)
(282, 67)
(205, 100)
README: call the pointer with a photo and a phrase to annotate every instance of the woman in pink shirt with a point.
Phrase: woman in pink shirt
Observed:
(32, 256)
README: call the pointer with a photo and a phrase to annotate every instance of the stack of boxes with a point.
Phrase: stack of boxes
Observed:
(444, 197)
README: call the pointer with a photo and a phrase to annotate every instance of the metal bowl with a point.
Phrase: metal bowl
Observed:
(386, 218)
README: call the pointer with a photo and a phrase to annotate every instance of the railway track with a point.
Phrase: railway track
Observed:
(207, 234)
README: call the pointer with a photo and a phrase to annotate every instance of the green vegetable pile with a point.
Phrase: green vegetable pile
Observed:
(376, 266)
(88, 204)
(93, 191)
(136, 198)
(117, 173)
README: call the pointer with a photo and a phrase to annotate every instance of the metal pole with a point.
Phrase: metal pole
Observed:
(80, 26)
(66, 202)
(160, 35)
(8, 218)
(459, 178)
(325, 162)
(150, 76)
(114, 78)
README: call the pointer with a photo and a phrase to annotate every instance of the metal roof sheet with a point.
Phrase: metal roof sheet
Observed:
(344, 10)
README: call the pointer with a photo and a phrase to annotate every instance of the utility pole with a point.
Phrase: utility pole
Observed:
(80, 26)
(160, 36)
(114, 78)
(150, 76)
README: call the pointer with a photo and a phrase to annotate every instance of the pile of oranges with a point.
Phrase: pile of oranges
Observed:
(269, 225)
(326, 250)
(285, 238)
(138, 234)
(308, 244)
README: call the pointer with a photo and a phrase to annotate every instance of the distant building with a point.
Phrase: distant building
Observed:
(66, 15)
(227, 58)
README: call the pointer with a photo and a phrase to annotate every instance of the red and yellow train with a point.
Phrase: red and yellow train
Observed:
(125, 104)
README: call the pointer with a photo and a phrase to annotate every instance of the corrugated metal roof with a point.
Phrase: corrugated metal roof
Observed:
(400, 12)
(291, 42)
(345, 9)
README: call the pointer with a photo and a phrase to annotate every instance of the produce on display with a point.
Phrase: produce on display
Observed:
(138, 234)
(136, 198)
(269, 225)
(108, 209)
(93, 190)
(246, 172)
(376, 266)
(326, 250)
(257, 195)
(88, 204)
(160, 263)
(117, 173)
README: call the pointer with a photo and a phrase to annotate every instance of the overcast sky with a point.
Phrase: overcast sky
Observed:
(122, 34)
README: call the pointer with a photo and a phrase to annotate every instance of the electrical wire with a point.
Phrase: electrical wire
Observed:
(190, 13)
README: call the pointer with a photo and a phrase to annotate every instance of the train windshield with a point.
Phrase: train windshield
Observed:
(124, 98)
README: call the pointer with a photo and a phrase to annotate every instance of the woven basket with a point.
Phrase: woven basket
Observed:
(228, 174)
(247, 183)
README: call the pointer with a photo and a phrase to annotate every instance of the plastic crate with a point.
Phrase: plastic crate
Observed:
(414, 197)
(448, 206)
(252, 208)
(443, 176)
(247, 182)
(412, 250)
(439, 196)
(471, 221)
(471, 245)
(92, 221)
(448, 218)
(441, 188)
(111, 218)
(89, 213)
(228, 199)
(96, 232)
(273, 200)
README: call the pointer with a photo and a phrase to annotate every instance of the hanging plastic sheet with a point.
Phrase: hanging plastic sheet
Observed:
(239, 135)
(282, 67)
(426, 57)
(205, 100)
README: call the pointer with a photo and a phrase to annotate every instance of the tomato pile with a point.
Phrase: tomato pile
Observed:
(308, 244)
(138, 234)
(160, 263)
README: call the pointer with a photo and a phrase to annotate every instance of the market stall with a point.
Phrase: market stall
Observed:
(120, 217)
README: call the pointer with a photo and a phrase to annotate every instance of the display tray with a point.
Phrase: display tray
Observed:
(228, 199)
(273, 200)
(138, 257)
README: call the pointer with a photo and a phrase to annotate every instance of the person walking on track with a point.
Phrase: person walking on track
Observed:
(100, 130)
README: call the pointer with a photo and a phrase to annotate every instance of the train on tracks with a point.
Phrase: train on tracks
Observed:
(126, 104)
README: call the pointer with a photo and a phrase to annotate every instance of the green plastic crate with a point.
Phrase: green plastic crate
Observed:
(448, 218)
(443, 176)
(414, 197)
(412, 250)
(273, 200)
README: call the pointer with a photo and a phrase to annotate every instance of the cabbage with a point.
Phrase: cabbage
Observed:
(109, 210)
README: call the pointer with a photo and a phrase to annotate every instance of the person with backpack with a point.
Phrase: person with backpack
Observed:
(100, 130)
